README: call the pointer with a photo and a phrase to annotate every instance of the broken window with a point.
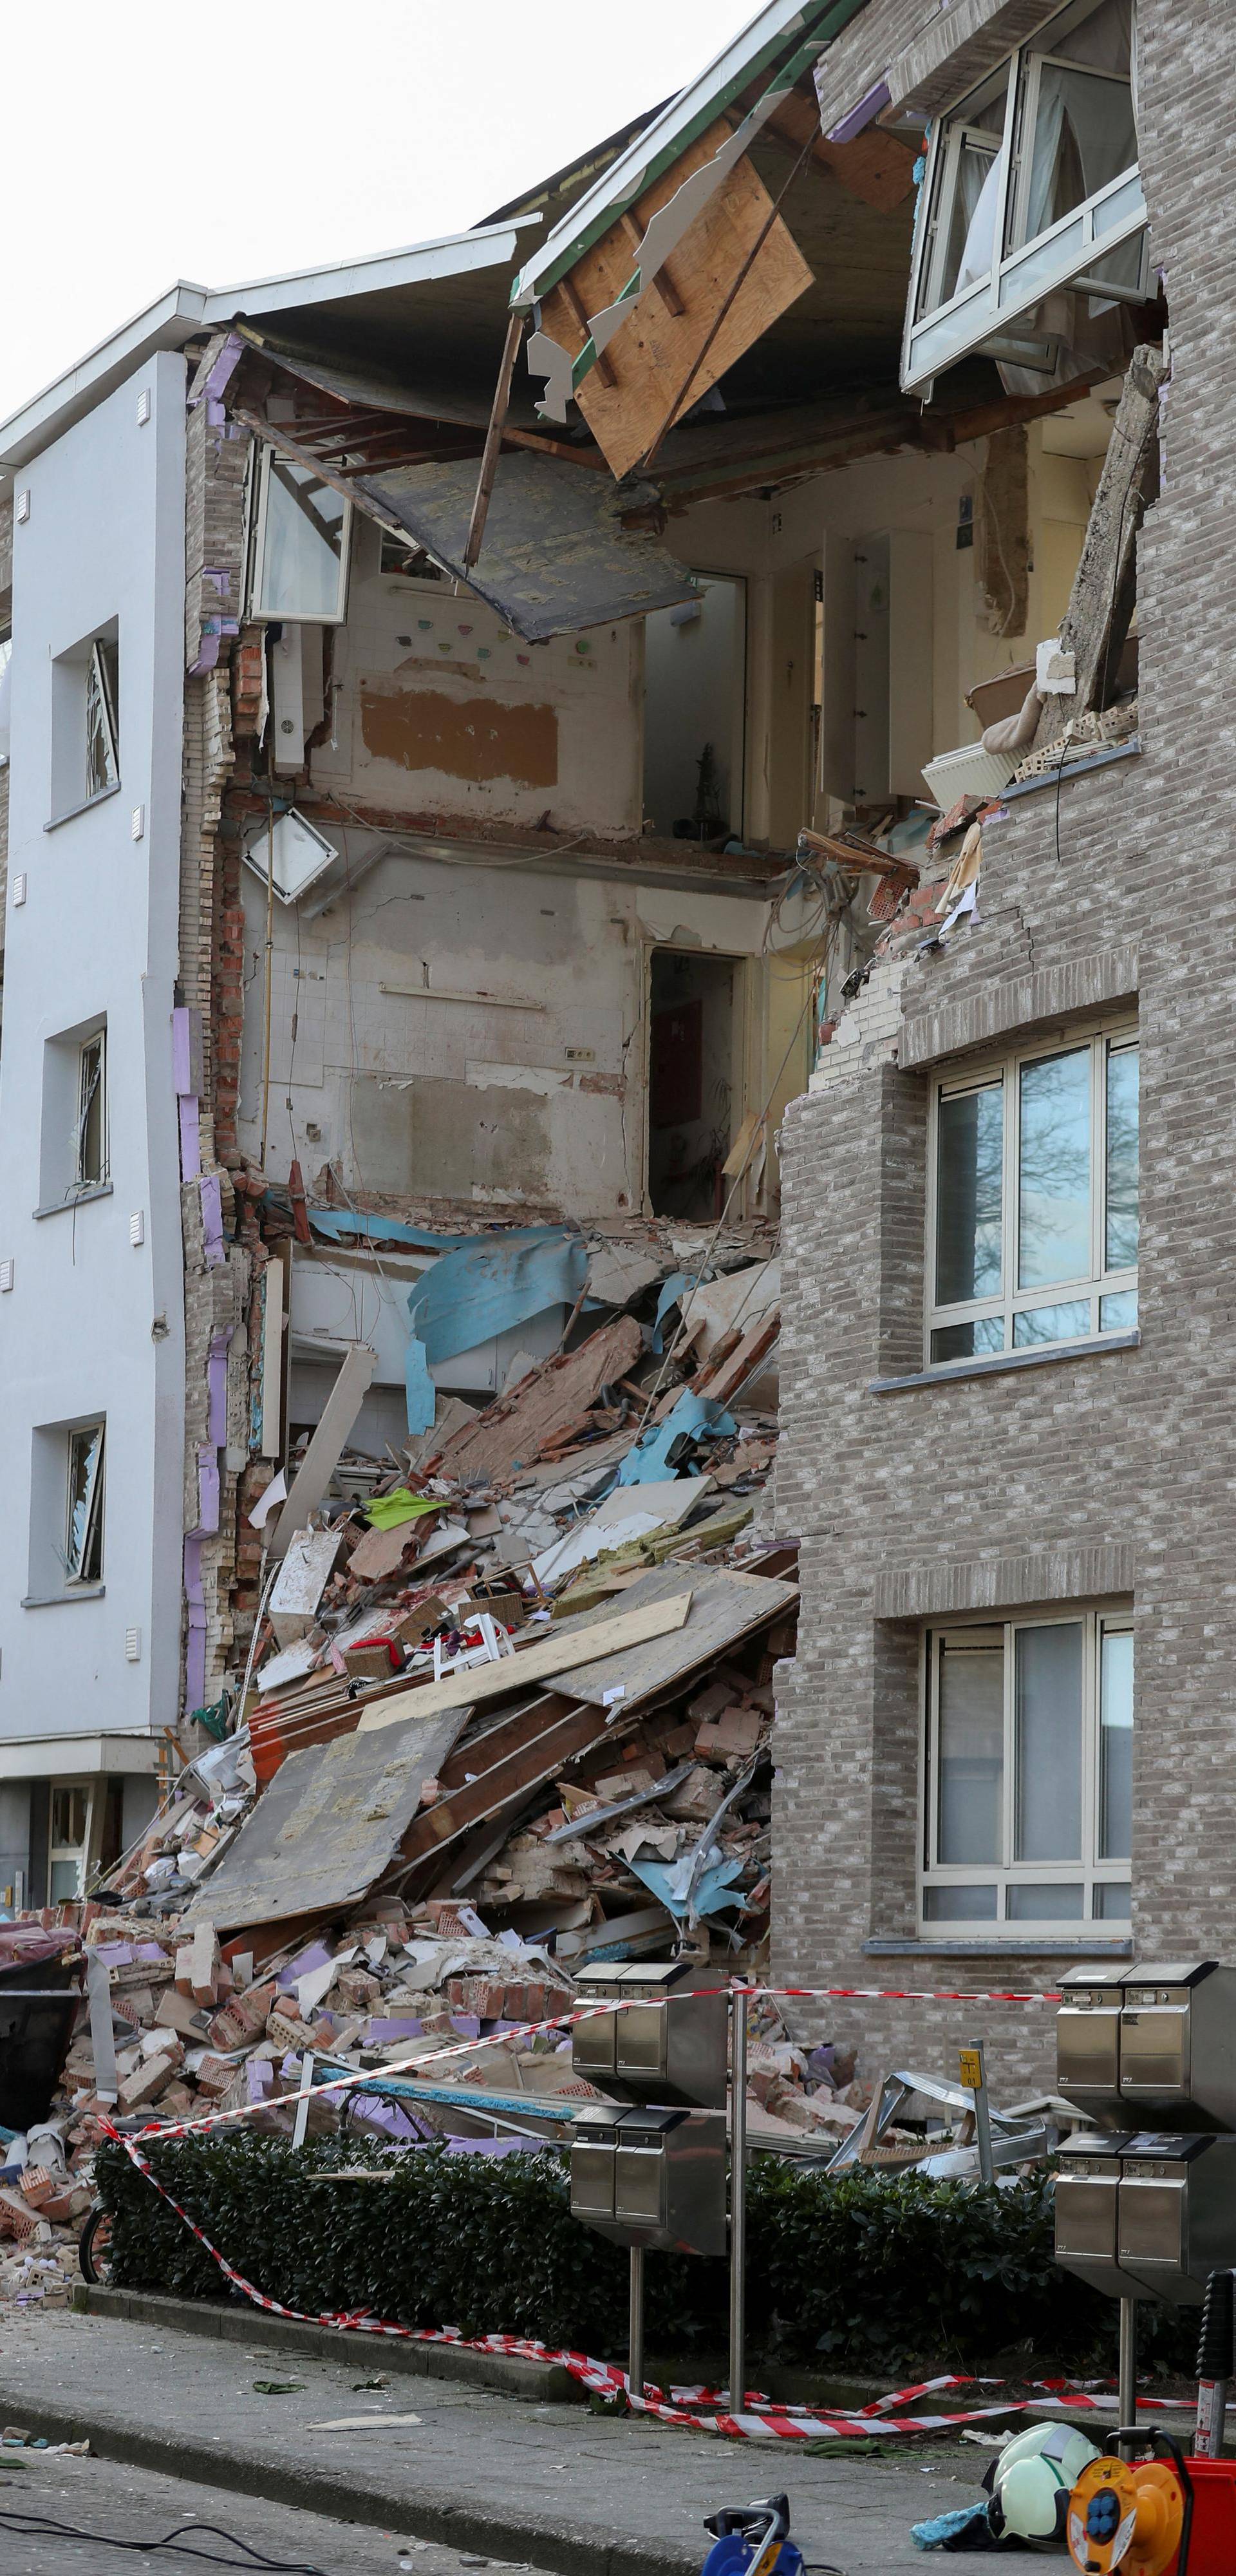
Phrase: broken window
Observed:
(1034, 1207)
(1032, 187)
(102, 725)
(1028, 1773)
(83, 1551)
(301, 529)
(90, 1138)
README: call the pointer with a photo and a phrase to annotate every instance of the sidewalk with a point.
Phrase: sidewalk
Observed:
(510, 2477)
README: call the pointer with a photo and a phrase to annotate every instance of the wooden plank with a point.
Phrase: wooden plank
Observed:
(654, 348)
(733, 1372)
(552, 1655)
(1097, 619)
(570, 1731)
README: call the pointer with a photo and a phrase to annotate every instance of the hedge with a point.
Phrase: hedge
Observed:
(863, 2272)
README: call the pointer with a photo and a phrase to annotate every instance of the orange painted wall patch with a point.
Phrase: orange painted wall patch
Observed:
(472, 738)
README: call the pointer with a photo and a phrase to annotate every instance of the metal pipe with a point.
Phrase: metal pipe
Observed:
(1126, 2410)
(635, 2337)
(738, 2198)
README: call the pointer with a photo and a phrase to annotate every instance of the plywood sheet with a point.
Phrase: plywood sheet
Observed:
(650, 356)
(328, 1824)
(725, 1607)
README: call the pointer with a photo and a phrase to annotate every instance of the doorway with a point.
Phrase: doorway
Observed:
(695, 672)
(693, 1072)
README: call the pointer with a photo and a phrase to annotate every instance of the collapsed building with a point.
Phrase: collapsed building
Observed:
(499, 736)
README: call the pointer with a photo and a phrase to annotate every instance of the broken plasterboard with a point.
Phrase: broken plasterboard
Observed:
(630, 1512)
(301, 1581)
(541, 1662)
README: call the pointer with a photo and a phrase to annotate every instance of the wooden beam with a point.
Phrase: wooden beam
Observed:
(568, 1651)
(493, 441)
(662, 284)
(1096, 622)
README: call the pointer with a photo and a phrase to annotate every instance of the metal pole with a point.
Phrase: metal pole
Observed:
(1126, 2414)
(635, 2341)
(738, 2198)
(974, 2075)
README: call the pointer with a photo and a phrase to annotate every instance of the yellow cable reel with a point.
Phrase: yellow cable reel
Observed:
(1125, 2513)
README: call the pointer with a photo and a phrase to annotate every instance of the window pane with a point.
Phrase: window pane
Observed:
(969, 185)
(1114, 1903)
(969, 1177)
(1118, 1314)
(85, 1519)
(1048, 1743)
(969, 1341)
(64, 1880)
(971, 1740)
(1121, 1250)
(1116, 1744)
(959, 1904)
(303, 543)
(1084, 136)
(1051, 1323)
(1058, 1904)
(90, 1156)
(1054, 1171)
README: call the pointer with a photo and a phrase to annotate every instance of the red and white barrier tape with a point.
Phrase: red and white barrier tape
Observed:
(471, 2048)
(684, 2406)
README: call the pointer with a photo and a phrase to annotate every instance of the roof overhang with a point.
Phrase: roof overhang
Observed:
(187, 309)
(78, 1757)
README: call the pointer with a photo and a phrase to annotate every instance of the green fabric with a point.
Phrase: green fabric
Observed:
(390, 1509)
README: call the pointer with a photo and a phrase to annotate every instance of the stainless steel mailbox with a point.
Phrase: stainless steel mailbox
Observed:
(1178, 2044)
(670, 2052)
(651, 2178)
(1088, 2040)
(1177, 2213)
(1087, 2199)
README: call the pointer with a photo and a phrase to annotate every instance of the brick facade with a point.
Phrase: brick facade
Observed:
(1078, 1477)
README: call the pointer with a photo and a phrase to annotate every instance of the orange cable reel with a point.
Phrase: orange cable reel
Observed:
(1127, 2513)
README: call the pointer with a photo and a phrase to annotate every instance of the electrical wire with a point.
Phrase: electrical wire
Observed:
(30, 2524)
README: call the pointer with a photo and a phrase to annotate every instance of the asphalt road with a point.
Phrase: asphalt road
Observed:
(116, 2505)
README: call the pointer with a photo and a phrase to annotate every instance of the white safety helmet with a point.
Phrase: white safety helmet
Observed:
(1031, 2481)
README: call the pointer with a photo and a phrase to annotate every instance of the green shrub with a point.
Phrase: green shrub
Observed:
(862, 2272)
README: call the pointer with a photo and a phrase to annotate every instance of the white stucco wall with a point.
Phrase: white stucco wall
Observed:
(92, 1326)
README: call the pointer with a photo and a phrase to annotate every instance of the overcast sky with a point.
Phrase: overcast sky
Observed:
(158, 141)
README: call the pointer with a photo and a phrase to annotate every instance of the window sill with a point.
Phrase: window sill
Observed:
(1086, 760)
(997, 1363)
(58, 1600)
(80, 1198)
(87, 806)
(998, 1947)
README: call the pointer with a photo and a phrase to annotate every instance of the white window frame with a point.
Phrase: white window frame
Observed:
(1089, 1871)
(1023, 275)
(83, 1180)
(92, 1525)
(1109, 1037)
(265, 460)
(102, 719)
